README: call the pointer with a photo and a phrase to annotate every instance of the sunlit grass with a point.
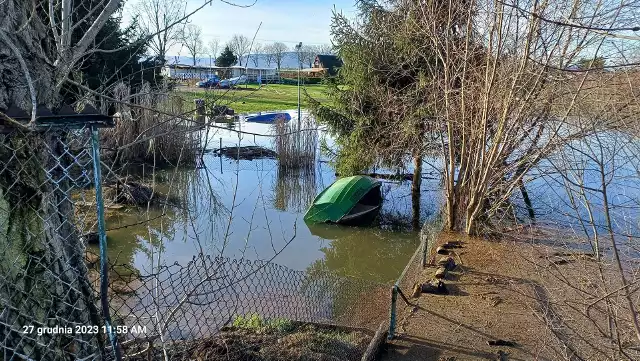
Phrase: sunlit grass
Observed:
(251, 98)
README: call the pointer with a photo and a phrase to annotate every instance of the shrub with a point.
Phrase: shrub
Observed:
(253, 321)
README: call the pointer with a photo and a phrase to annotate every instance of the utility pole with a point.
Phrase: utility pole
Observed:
(298, 47)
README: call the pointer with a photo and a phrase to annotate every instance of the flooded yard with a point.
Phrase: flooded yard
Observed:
(253, 209)
(228, 236)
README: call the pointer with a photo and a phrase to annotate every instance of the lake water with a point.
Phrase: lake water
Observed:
(566, 191)
(250, 209)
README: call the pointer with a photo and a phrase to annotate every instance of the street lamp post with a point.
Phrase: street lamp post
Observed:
(298, 47)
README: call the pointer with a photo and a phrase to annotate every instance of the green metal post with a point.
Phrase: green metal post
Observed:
(102, 237)
(392, 320)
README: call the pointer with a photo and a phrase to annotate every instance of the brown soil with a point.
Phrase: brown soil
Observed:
(523, 292)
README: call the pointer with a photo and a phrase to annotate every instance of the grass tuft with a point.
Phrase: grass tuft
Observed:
(255, 322)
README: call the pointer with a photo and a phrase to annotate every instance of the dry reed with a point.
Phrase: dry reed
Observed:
(156, 132)
(296, 143)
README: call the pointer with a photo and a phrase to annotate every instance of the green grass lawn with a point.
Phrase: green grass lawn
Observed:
(251, 98)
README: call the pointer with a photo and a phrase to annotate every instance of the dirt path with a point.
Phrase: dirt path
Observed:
(513, 291)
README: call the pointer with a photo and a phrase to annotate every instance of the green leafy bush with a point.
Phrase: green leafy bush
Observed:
(249, 321)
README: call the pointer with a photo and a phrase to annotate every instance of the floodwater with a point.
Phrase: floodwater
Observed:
(247, 217)
(249, 209)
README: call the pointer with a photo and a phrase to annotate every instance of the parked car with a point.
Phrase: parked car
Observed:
(231, 82)
(209, 83)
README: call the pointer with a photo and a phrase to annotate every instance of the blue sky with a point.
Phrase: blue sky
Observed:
(288, 21)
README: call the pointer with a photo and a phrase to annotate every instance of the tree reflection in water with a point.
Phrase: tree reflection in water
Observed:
(186, 201)
(294, 189)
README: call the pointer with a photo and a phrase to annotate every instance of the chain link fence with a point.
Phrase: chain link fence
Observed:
(233, 309)
(422, 258)
(46, 185)
(61, 302)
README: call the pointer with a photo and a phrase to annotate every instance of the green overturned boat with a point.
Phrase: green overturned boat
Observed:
(351, 201)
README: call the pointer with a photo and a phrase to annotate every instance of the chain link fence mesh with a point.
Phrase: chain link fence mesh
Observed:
(231, 309)
(44, 288)
(211, 308)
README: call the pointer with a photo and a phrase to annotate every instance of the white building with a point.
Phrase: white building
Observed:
(185, 72)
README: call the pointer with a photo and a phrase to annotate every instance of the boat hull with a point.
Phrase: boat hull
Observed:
(363, 218)
(268, 118)
(352, 200)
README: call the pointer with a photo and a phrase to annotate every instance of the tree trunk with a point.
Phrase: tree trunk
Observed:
(31, 41)
(415, 191)
(527, 202)
(45, 282)
(43, 279)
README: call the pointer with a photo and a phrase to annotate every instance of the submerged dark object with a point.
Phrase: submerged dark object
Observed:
(352, 200)
(268, 117)
(128, 192)
(246, 152)
(501, 343)
(91, 238)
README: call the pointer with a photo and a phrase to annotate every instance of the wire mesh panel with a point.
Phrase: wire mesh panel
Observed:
(239, 309)
(49, 310)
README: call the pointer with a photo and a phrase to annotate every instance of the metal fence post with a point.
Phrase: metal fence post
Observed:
(102, 236)
(423, 242)
(392, 320)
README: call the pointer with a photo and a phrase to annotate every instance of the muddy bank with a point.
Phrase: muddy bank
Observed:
(510, 299)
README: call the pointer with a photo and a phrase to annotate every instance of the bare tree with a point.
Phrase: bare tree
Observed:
(308, 54)
(269, 54)
(156, 18)
(212, 49)
(191, 38)
(256, 54)
(239, 44)
(278, 50)
(325, 49)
